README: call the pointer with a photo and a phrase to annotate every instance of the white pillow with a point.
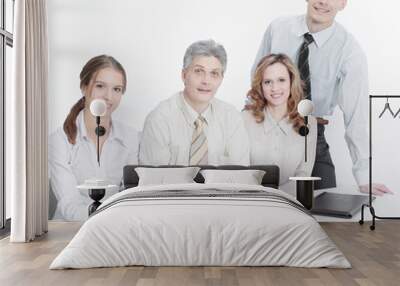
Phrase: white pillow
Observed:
(248, 177)
(163, 176)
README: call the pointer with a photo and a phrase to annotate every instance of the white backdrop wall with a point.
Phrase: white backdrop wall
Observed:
(149, 38)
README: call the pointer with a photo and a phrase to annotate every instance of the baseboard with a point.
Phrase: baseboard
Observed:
(5, 231)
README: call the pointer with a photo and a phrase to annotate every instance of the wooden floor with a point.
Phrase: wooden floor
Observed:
(374, 255)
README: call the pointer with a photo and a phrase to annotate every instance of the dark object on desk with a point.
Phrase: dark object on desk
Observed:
(96, 195)
(338, 205)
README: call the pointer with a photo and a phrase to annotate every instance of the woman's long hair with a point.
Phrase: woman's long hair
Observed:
(87, 77)
(256, 100)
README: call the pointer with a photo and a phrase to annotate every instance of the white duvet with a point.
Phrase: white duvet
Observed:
(200, 231)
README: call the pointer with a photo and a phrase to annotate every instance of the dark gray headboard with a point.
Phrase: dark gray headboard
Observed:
(270, 179)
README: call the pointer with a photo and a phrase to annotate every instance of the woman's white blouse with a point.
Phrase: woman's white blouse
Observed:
(70, 165)
(277, 143)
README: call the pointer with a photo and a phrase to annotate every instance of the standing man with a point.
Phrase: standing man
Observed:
(334, 70)
(193, 127)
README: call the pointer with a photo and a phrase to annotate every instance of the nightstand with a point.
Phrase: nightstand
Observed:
(305, 190)
(96, 193)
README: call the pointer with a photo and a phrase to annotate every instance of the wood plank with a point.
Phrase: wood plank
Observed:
(375, 258)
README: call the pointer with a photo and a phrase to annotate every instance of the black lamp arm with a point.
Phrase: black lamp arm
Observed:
(98, 139)
(305, 138)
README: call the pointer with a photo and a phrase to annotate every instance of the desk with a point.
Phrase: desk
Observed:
(386, 206)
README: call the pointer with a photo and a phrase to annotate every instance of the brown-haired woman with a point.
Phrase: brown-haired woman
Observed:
(273, 123)
(72, 149)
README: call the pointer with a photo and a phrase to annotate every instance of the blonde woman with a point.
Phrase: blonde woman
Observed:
(272, 121)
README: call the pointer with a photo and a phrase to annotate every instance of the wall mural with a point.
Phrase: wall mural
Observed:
(309, 56)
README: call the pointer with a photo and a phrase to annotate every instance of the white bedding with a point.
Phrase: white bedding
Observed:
(200, 231)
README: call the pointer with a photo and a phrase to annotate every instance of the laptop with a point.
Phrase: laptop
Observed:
(338, 205)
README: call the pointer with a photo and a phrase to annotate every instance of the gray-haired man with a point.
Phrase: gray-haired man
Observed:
(192, 127)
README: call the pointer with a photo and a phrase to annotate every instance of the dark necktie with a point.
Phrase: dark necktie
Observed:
(303, 66)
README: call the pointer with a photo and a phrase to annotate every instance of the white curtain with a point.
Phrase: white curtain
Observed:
(26, 120)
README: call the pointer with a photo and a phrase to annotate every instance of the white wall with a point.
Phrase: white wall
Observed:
(149, 38)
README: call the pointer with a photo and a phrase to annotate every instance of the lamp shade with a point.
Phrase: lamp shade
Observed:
(98, 107)
(305, 107)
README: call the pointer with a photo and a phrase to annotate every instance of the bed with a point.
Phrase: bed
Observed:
(201, 224)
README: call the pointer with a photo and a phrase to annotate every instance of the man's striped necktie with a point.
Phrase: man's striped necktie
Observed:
(199, 148)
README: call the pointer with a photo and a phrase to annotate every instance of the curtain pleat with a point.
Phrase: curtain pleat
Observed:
(15, 130)
(29, 169)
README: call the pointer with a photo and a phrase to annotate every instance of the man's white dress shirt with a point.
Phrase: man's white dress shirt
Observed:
(168, 131)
